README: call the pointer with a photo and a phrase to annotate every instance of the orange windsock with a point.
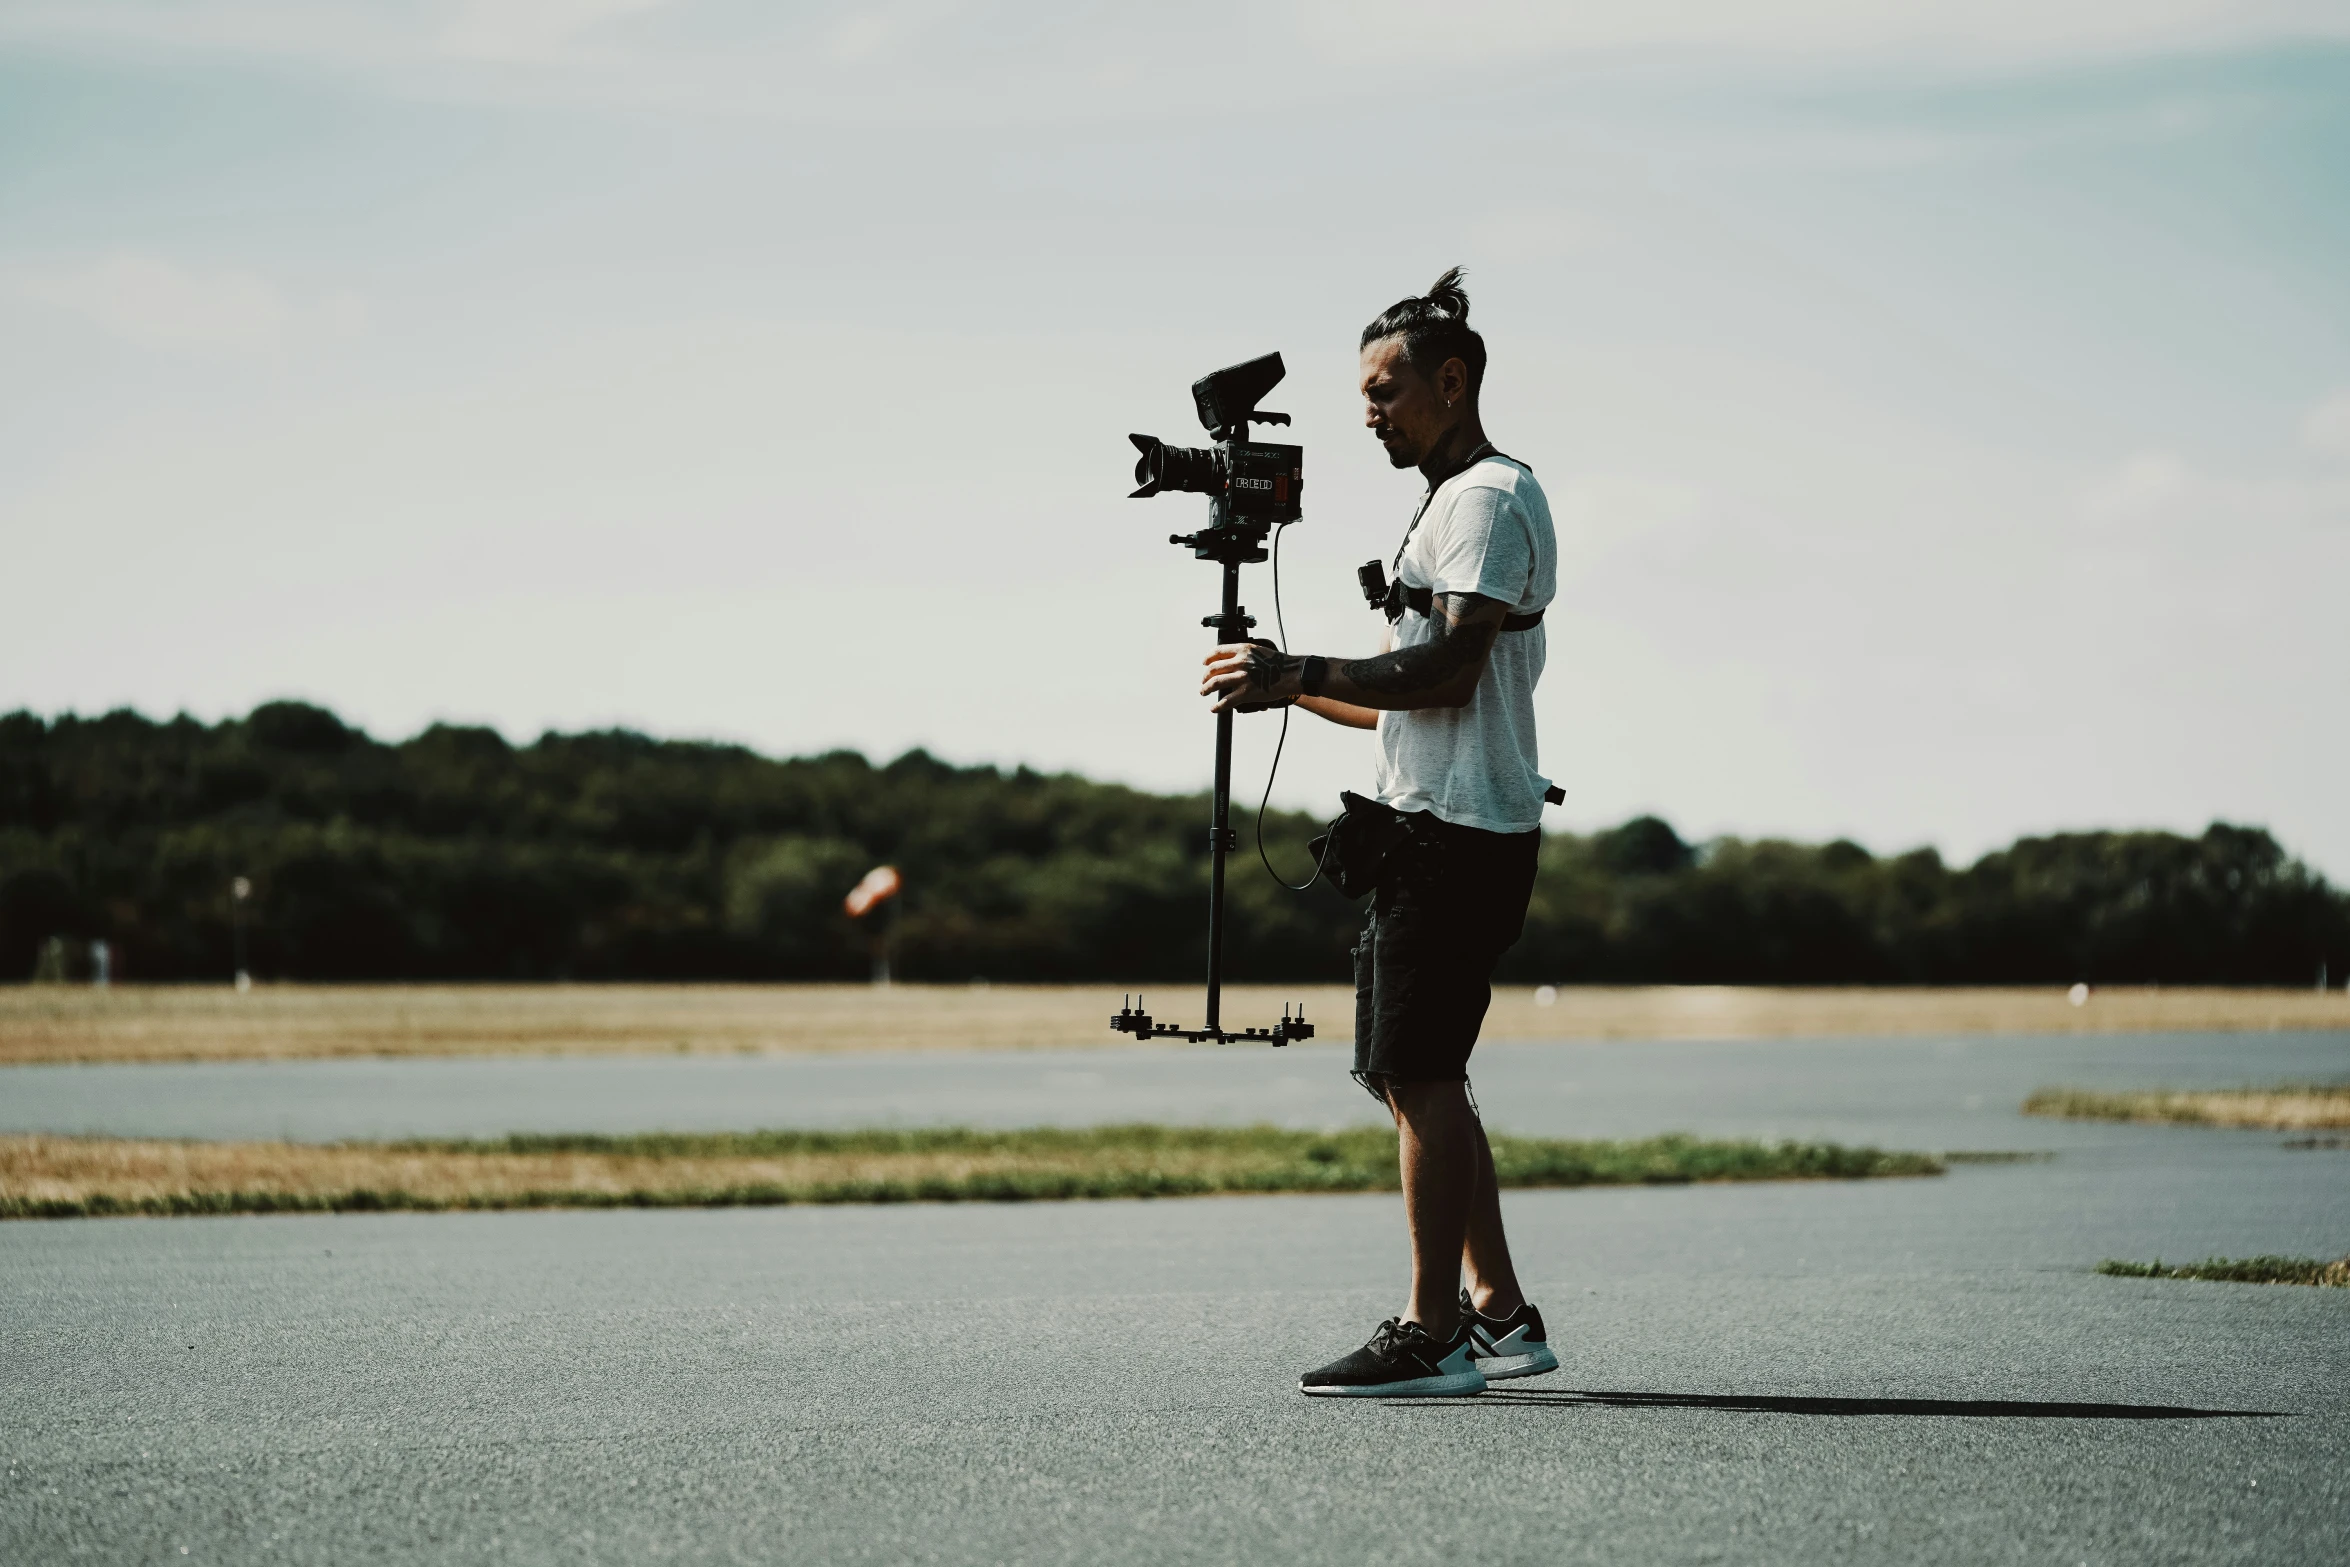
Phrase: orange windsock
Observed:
(880, 885)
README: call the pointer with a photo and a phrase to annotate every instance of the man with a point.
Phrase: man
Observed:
(1452, 701)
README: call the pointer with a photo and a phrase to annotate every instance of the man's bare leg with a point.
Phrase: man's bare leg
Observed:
(1486, 1269)
(1442, 1150)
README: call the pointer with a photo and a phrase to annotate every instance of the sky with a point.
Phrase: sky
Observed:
(1945, 407)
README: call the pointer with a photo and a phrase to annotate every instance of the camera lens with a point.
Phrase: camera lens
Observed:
(1164, 467)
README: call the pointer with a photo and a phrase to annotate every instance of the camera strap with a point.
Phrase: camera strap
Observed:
(1429, 496)
(1422, 601)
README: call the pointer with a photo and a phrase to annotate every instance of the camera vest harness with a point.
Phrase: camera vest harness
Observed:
(1422, 601)
(1393, 598)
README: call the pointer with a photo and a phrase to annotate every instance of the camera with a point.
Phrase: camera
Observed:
(1251, 481)
(1254, 480)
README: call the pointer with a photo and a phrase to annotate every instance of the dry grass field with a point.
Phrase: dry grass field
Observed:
(2290, 1108)
(215, 1023)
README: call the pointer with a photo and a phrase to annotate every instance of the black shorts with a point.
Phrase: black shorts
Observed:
(1450, 902)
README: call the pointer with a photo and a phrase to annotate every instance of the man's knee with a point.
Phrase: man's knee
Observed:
(1420, 1100)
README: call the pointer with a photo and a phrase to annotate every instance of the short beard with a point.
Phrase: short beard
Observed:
(1399, 456)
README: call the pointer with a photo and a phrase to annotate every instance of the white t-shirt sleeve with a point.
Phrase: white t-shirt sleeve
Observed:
(1486, 548)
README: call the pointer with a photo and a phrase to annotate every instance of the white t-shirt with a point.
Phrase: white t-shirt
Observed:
(1487, 531)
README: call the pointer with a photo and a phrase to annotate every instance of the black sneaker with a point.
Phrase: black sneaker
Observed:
(1402, 1361)
(1511, 1346)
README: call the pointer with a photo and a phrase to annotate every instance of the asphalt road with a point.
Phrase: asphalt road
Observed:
(1883, 1371)
(1913, 1093)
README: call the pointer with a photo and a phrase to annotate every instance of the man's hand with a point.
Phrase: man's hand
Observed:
(1248, 677)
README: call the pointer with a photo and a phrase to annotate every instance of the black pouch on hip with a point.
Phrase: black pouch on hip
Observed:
(1355, 853)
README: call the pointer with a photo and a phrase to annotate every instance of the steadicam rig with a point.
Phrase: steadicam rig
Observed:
(1252, 487)
(1133, 1019)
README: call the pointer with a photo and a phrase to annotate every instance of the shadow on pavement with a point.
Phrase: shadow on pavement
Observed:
(1764, 1404)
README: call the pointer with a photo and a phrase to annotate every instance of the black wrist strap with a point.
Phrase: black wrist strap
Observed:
(1311, 677)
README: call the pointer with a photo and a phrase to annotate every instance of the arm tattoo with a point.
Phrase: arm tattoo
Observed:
(1266, 666)
(1459, 644)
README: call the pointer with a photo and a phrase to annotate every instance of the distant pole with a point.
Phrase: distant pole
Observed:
(102, 964)
(238, 891)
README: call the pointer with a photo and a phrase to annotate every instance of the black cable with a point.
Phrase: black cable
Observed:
(1281, 628)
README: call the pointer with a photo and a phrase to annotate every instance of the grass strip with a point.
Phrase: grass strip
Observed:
(1997, 1156)
(71, 1177)
(2248, 1270)
(2288, 1107)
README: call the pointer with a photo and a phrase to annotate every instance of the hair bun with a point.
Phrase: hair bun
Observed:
(1447, 297)
(1434, 327)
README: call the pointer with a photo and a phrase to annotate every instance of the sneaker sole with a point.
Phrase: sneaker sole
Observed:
(1500, 1368)
(1456, 1384)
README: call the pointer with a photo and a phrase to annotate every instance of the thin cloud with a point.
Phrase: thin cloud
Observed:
(2160, 489)
(2145, 486)
(2327, 429)
(529, 31)
(1523, 234)
(1359, 31)
(153, 303)
(935, 60)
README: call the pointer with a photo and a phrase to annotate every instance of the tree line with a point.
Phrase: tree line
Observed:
(611, 855)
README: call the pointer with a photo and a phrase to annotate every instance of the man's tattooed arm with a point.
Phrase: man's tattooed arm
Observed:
(1441, 672)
